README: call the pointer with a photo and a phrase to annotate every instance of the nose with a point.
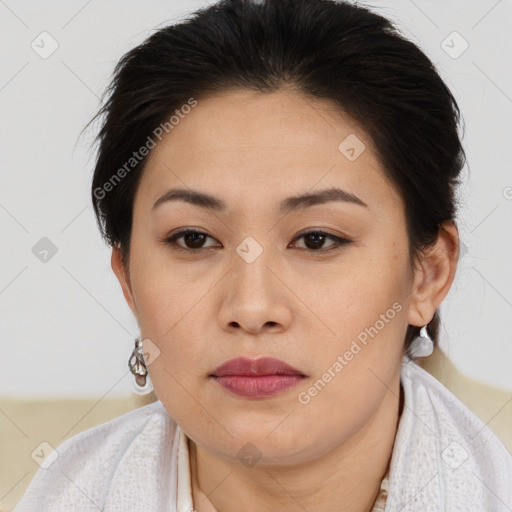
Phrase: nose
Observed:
(255, 298)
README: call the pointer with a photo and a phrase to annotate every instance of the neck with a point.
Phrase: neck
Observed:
(350, 475)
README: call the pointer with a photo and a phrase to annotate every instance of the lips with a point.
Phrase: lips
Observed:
(255, 367)
(256, 378)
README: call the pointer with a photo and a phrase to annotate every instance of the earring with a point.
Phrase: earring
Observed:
(422, 345)
(142, 383)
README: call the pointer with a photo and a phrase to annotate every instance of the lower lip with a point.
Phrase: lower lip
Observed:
(261, 386)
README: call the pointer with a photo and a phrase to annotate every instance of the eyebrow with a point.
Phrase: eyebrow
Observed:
(287, 205)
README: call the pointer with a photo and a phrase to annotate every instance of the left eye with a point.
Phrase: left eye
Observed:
(194, 240)
(317, 238)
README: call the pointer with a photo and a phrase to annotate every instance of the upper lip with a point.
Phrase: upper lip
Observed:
(254, 367)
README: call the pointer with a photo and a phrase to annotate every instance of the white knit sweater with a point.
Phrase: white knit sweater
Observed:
(444, 459)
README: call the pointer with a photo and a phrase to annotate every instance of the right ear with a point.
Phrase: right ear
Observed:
(123, 277)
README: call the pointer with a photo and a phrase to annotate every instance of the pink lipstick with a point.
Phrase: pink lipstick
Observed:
(256, 378)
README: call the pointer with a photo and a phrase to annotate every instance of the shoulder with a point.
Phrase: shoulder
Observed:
(448, 414)
(90, 468)
(444, 455)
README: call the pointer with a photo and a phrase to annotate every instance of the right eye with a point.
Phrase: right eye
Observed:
(195, 239)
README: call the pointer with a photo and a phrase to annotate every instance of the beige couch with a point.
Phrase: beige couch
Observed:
(24, 424)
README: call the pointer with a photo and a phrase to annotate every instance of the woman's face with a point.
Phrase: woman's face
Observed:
(256, 285)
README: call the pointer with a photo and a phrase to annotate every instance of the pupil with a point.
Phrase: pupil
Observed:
(194, 237)
(317, 238)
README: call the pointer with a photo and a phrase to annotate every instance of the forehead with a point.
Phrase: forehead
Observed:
(273, 123)
(248, 144)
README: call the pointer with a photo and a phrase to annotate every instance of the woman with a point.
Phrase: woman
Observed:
(276, 180)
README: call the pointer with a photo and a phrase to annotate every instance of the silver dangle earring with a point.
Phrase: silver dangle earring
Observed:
(142, 384)
(422, 345)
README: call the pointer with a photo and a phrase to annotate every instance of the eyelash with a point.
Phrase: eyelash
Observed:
(339, 241)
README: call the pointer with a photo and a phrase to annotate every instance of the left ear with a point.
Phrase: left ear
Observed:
(434, 276)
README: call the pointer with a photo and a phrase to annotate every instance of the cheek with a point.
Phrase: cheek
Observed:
(164, 296)
(352, 367)
(365, 290)
(354, 358)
